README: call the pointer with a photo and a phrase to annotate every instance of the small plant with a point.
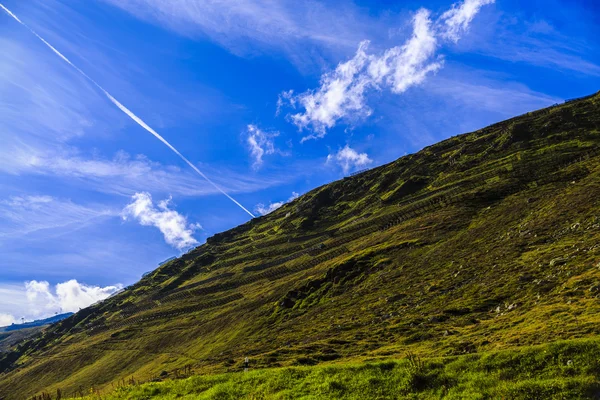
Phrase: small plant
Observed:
(415, 364)
(416, 372)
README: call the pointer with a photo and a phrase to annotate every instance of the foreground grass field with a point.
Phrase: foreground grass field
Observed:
(562, 370)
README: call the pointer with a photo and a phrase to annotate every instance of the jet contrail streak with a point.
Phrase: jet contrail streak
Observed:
(127, 111)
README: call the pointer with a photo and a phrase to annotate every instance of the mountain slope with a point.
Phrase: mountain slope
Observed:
(484, 241)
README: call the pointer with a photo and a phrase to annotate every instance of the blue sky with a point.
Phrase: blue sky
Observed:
(268, 98)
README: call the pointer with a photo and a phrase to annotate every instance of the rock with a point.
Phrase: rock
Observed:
(558, 261)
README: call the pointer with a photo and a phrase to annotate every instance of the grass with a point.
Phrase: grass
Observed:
(566, 370)
(484, 242)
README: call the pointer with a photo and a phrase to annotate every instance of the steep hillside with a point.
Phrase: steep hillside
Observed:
(485, 241)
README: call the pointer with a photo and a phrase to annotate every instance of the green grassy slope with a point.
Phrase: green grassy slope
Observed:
(485, 241)
(564, 370)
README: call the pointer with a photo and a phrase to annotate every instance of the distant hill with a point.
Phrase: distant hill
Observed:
(33, 324)
(11, 338)
(13, 334)
(482, 246)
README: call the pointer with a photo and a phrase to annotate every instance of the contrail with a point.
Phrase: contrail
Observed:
(127, 111)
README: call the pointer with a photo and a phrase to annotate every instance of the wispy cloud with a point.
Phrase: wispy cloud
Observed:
(22, 215)
(174, 226)
(123, 174)
(460, 100)
(537, 42)
(505, 99)
(129, 113)
(342, 92)
(459, 17)
(53, 107)
(266, 209)
(348, 159)
(251, 26)
(261, 143)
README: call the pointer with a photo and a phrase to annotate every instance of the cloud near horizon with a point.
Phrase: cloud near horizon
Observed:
(174, 226)
(6, 319)
(342, 92)
(38, 299)
(70, 296)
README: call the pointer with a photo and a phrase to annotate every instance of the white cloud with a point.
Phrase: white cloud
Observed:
(264, 210)
(174, 226)
(406, 66)
(38, 299)
(285, 97)
(39, 293)
(73, 295)
(342, 92)
(6, 319)
(348, 158)
(259, 144)
(458, 18)
(68, 296)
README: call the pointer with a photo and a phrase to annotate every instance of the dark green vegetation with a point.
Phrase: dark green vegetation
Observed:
(483, 242)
